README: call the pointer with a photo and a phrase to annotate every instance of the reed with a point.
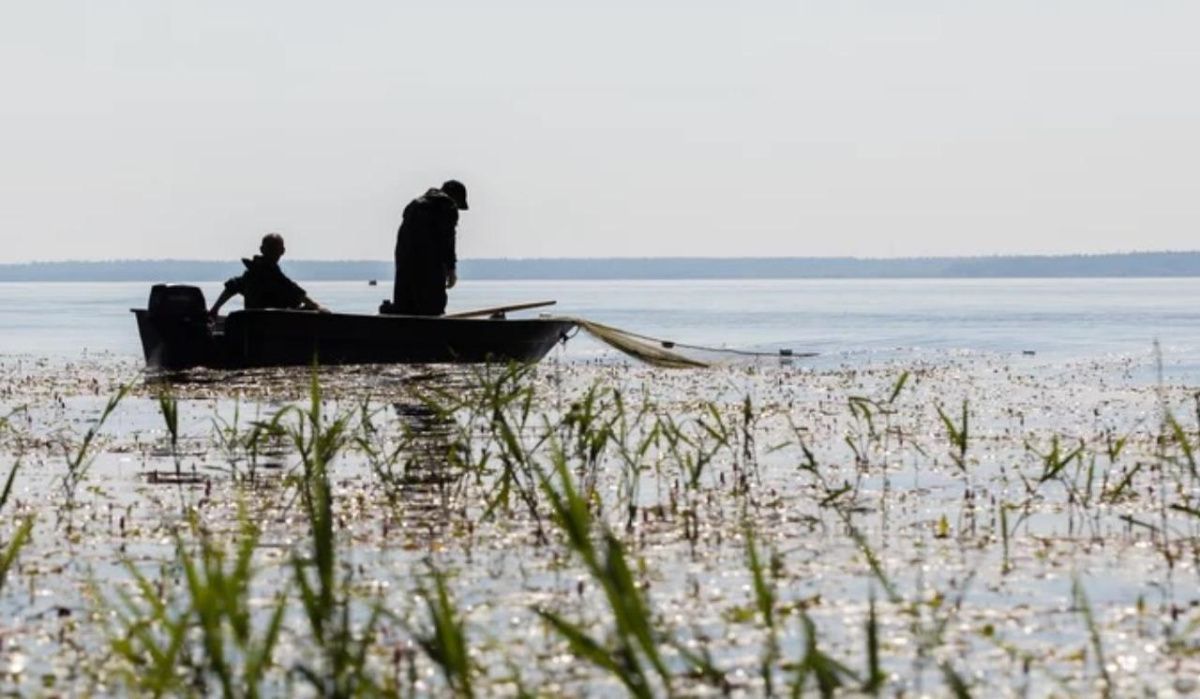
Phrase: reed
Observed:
(24, 532)
(151, 637)
(1084, 606)
(764, 599)
(241, 445)
(381, 455)
(928, 617)
(204, 636)
(168, 407)
(8, 484)
(577, 479)
(505, 403)
(341, 669)
(874, 677)
(634, 446)
(6, 419)
(635, 644)
(870, 432)
(11, 550)
(80, 459)
(958, 433)
(589, 430)
(828, 675)
(444, 639)
(237, 654)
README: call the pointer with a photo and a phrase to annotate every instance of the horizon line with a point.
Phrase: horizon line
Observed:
(714, 258)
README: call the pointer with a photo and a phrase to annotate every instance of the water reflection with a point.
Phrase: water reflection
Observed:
(342, 382)
(429, 435)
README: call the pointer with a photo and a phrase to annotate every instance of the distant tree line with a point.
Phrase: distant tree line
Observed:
(1141, 264)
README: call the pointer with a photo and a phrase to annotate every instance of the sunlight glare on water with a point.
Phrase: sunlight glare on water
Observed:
(1056, 319)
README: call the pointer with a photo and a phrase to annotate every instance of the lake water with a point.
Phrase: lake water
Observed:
(845, 320)
(1071, 484)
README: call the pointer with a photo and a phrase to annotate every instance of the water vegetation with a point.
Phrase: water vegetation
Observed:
(570, 530)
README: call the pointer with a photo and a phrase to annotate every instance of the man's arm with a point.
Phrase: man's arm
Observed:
(309, 305)
(303, 300)
(233, 287)
(449, 254)
(295, 294)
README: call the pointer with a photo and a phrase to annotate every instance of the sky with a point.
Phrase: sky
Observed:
(170, 129)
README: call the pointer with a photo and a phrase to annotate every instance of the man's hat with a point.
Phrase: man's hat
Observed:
(457, 192)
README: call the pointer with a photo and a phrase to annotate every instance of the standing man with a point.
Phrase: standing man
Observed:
(425, 257)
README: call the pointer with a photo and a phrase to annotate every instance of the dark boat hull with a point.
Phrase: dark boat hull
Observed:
(267, 338)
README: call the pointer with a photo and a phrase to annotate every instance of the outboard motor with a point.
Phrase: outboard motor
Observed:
(174, 327)
(177, 300)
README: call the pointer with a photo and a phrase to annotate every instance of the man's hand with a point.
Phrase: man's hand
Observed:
(451, 279)
(309, 305)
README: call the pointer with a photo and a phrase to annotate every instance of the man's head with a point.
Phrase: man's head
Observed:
(272, 247)
(456, 191)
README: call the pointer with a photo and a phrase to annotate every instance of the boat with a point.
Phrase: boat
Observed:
(177, 334)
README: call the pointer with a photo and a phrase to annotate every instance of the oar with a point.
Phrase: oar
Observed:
(499, 310)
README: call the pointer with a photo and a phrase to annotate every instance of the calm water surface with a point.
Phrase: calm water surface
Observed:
(845, 320)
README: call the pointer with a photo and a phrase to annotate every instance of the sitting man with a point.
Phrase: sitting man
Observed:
(425, 256)
(264, 285)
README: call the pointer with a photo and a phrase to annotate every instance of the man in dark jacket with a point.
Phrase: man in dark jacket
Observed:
(263, 284)
(425, 258)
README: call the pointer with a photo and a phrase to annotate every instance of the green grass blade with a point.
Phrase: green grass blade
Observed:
(584, 647)
(8, 484)
(19, 540)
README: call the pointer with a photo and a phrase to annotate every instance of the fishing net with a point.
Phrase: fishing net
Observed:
(664, 353)
(638, 347)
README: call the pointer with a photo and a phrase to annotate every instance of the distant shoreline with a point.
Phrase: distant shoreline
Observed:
(1141, 264)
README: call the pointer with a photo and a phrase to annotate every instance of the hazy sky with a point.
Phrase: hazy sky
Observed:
(155, 128)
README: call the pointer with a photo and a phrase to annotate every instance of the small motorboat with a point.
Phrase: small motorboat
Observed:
(176, 334)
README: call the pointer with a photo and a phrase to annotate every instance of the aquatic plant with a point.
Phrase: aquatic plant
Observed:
(507, 398)
(24, 532)
(381, 456)
(827, 673)
(958, 434)
(633, 445)
(238, 647)
(444, 640)
(628, 495)
(168, 406)
(928, 617)
(865, 437)
(151, 636)
(6, 419)
(874, 677)
(1084, 607)
(80, 459)
(635, 641)
(262, 437)
(325, 596)
(228, 434)
(588, 430)
(205, 636)
(764, 599)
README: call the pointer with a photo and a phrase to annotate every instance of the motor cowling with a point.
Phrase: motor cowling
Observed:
(177, 300)
(175, 328)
